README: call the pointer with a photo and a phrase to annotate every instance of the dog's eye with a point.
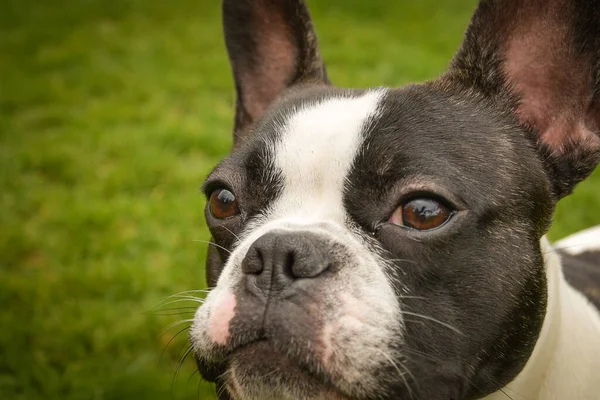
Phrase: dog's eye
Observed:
(223, 204)
(421, 214)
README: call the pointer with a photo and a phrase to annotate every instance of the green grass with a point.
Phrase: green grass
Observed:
(111, 114)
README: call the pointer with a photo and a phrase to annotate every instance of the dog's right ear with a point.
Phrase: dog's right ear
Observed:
(272, 46)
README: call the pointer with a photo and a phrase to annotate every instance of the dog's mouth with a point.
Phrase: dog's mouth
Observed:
(260, 363)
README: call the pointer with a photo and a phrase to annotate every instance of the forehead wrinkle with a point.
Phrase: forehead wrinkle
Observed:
(315, 152)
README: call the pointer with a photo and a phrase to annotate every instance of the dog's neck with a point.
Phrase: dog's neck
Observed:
(566, 360)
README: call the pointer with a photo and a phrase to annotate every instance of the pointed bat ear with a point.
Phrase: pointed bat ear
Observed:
(272, 46)
(541, 59)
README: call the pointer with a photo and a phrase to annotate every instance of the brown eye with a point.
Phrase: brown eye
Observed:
(421, 214)
(223, 204)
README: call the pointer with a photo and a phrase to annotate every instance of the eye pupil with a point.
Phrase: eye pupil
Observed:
(421, 214)
(225, 197)
(425, 209)
(223, 204)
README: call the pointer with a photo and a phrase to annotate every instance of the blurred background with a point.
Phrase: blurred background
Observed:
(112, 112)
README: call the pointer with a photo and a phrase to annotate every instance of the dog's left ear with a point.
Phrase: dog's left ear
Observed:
(541, 59)
(272, 46)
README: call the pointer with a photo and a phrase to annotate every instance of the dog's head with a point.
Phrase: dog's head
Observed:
(384, 243)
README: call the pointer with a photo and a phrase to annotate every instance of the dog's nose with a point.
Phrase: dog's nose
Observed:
(279, 258)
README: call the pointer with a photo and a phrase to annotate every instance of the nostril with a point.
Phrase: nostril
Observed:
(289, 263)
(253, 263)
(260, 261)
(310, 266)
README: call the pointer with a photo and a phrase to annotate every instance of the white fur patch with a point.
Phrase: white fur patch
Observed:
(315, 153)
(580, 242)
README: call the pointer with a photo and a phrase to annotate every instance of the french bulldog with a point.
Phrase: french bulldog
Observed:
(389, 243)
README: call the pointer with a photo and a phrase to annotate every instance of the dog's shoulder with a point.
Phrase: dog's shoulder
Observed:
(580, 254)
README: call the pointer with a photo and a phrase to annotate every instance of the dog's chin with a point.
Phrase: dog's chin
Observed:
(259, 371)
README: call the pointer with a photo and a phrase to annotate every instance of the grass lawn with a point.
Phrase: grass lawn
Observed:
(111, 114)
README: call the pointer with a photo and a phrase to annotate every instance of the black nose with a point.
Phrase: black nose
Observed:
(278, 258)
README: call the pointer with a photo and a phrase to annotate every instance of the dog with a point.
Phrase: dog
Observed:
(389, 243)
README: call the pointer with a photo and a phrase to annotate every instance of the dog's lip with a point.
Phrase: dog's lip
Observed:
(319, 378)
(214, 366)
(239, 344)
(247, 345)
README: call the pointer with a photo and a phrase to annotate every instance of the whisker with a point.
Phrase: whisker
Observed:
(403, 260)
(175, 313)
(170, 341)
(192, 298)
(399, 372)
(273, 372)
(178, 368)
(214, 244)
(433, 320)
(506, 394)
(192, 375)
(174, 324)
(178, 308)
(186, 297)
(230, 231)
(178, 301)
(198, 388)
(237, 135)
(194, 291)
(414, 321)
(221, 390)
(187, 292)
(405, 368)
(422, 355)
(159, 311)
(413, 297)
(191, 291)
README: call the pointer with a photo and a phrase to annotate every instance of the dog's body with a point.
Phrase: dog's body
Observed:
(388, 243)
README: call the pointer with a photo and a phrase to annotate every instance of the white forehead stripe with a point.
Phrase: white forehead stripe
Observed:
(315, 152)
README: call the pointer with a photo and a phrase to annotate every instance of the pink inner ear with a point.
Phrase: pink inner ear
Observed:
(555, 83)
(275, 60)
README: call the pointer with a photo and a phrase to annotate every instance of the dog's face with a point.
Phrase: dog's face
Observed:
(384, 243)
